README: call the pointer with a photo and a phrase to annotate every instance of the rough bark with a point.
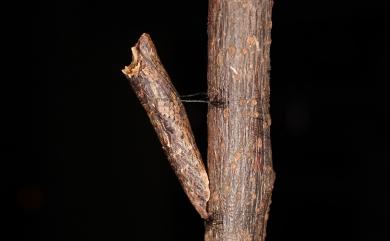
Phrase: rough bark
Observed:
(158, 96)
(239, 148)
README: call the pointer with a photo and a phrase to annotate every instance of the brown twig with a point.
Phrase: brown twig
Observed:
(158, 96)
(239, 147)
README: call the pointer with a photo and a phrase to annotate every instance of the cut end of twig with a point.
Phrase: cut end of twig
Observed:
(144, 49)
(134, 67)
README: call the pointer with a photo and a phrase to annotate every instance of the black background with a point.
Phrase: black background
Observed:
(88, 166)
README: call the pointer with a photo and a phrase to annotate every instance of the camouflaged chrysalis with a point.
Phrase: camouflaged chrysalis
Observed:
(159, 98)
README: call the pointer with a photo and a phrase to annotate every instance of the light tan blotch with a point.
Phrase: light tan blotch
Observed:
(220, 59)
(253, 114)
(259, 143)
(252, 41)
(226, 113)
(237, 156)
(231, 51)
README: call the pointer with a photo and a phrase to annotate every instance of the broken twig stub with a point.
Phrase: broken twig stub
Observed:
(159, 97)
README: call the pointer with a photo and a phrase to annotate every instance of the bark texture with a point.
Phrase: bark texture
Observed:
(239, 148)
(158, 96)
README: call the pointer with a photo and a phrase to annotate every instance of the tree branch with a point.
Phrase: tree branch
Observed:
(158, 96)
(239, 142)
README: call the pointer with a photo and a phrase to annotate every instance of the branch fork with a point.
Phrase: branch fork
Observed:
(234, 196)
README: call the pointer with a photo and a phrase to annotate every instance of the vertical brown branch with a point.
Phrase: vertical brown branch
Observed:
(239, 148)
